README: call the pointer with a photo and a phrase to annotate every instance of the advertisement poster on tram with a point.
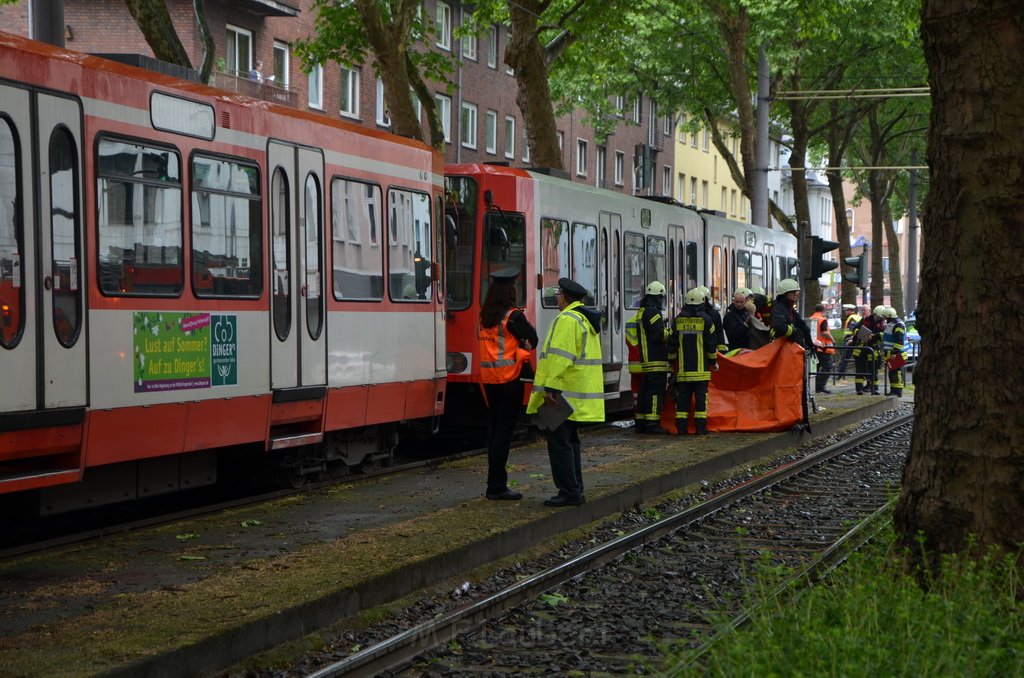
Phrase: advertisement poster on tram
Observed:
(178, 351)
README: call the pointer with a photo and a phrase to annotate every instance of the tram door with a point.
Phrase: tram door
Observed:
(608, 301)
(298, 353)
(42, 303)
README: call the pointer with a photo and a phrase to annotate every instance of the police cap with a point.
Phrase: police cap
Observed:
(505, 275)
(571, 288)
(849, 307)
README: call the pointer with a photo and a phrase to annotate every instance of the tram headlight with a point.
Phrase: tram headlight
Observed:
(457, 363)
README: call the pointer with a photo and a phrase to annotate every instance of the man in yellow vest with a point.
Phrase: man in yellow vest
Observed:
(569, 371)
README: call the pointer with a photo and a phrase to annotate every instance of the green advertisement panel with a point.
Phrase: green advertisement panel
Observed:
(177, 351)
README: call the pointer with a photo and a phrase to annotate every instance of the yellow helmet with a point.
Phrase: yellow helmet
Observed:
(787, 285)
(656, 289)
(694, 297)
(705, 291)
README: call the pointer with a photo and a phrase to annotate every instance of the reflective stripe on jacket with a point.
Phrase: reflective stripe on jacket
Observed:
(501, 357)
(570, 363)
(653, 340)
(693, 343)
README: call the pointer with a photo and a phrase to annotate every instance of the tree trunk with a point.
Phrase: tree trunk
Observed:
(879, 192)
(533, 94)
(154, 21)
(892, 242)
(206, 39)
(964, 479)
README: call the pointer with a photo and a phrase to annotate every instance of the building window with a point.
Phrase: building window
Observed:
(682, 129)
(732, 202)
(581, 157)
(510, 136)
(638, 113)
(600, 162)
(526, 147)
(444, 26)
(239, 60)
(693, 191)
(491, 132)
(561, 137)
(315, 87)
(468, 41)
(707, 139)
(703, 195)
(492, 47)
(620, 161)
(444, 111)
(383, 119)
(666, 180)
(281, 76)
(508, 69)
(350, 92)
(667, 126)
(725, 192)
(620, 105)
(693, 138)
(468, 125)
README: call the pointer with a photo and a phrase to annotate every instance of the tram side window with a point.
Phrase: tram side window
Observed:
(138, 199)
(12, 292)
(691, 264)
(504, 247)
(460, 214)
(657, 260)
(65, 244)
(357, 216)
(554, 254)
(584, 261)
(227, 243)
(756, 270)
(410, 246)
(634, 262)
(743, 272)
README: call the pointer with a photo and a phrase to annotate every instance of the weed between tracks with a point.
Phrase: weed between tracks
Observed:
(872, 619)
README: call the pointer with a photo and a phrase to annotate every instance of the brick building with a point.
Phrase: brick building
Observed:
(483, 121)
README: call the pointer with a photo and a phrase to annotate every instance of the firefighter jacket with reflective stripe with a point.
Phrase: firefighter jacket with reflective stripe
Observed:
(894, 337)
(570, 363)
(874, 325)
(693, 344)
(501, 356)
(633, 344)
(718, 328)
(825, 341)
(787, 323)
(653, 336)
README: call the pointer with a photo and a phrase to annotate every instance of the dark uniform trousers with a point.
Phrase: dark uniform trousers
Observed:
(566, 463)
(651, 398)
(505, 403)
(697, 392)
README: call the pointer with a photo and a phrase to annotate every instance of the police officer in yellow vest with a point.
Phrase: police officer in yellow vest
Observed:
(569, 367)
(652, 340)
(505, 338)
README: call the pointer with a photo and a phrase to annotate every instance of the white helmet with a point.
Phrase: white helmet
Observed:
(694, 297)
(706, 292)
(890, 312)
(656, 289)
(787, 285)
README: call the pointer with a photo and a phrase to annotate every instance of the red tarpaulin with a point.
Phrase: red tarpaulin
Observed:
(760, 390)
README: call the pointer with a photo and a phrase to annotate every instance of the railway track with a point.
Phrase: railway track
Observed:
(613, 608)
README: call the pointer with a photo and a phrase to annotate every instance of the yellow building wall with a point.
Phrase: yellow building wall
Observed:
(702, 177)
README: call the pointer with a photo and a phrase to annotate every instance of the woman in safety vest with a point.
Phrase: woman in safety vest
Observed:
(505, 337)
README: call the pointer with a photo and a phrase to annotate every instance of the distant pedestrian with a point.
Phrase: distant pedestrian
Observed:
(256, 73)
(694, 347)
(736, 320)
(505, 337)
(652, 341)
(823, 349)
(569, 368)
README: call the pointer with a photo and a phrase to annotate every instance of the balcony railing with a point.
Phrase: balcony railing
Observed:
(268, 90)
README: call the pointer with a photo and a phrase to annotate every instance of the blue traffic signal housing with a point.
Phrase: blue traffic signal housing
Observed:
(819, 263)
(859, 274)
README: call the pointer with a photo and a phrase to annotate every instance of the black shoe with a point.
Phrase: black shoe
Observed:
(860, 392)
(562, 500)
(874, 391)
(897, 392)
(507, 495)
(822, 390)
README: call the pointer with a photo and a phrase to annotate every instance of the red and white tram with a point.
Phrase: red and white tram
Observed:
(185, 272)
(614, 245)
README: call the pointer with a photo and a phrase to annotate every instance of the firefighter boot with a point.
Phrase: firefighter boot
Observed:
(702, 426)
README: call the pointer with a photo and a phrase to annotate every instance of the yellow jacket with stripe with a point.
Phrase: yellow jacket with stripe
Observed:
(570, 363)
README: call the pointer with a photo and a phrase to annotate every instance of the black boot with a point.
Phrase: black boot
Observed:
(702, 427)
(682, 427)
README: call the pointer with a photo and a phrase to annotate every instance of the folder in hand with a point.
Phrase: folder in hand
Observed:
(550, 416)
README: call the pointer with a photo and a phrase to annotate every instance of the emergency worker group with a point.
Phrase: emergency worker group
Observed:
(674, 356)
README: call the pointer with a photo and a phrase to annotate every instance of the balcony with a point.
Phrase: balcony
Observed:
(268, 90)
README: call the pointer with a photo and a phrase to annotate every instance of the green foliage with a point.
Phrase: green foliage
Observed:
(872, 618)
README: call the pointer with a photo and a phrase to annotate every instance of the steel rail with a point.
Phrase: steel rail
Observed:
(402, 648)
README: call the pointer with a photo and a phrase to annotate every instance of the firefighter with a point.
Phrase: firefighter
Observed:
(716, 318)
(694, 346)
(894, 342)
(823, 349)
(652, 342)
(867, 342)
(569, 368)
(851, 316)
(786, 322)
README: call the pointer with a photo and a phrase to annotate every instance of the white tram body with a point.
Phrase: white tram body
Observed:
(184, 271)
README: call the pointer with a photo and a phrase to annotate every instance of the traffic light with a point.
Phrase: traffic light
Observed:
(859, 274)
(820, 264)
